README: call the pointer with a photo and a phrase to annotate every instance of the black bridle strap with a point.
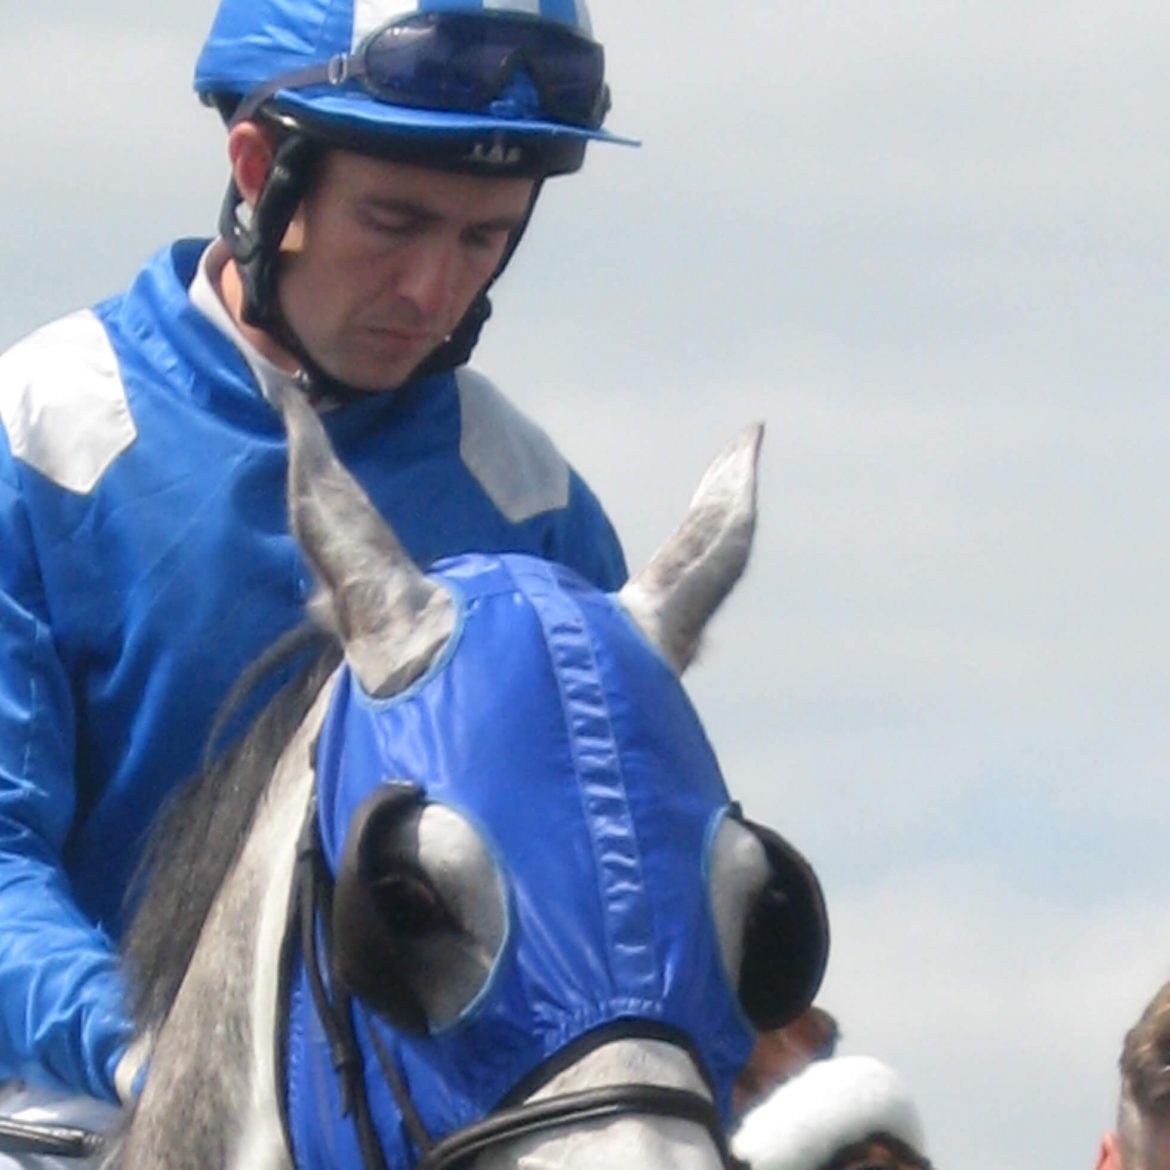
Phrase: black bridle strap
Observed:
(410, 1117)
(308, 885)
(587, 1105)
(314, 894)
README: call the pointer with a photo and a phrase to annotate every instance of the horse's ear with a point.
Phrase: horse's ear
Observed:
(674, 596)
(391, 618)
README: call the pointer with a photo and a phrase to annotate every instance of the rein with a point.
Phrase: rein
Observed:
(335, 1008)
(49, 1140)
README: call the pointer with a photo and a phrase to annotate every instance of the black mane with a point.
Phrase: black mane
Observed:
(200, 831)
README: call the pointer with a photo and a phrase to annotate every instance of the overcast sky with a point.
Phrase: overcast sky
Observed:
(928, 243)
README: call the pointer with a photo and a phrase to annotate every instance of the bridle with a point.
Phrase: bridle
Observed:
(336, 1009)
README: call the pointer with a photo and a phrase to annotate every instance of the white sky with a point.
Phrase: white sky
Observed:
(927, 242)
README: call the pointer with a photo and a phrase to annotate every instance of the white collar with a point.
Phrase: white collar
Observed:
(271, 379)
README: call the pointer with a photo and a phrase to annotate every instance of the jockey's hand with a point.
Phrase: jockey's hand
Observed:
(130, 1073)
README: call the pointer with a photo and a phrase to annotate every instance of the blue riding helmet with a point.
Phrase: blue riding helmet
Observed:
(506, 87)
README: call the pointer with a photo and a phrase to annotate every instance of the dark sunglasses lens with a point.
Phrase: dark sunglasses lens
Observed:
(429, 63)
(461, 63)
(571, 78)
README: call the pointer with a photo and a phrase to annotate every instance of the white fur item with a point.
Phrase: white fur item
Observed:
(830, 1105)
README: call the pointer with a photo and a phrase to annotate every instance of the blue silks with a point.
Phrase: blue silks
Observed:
(551, 724)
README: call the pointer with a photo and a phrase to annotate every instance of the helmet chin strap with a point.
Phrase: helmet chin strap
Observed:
(255, 236)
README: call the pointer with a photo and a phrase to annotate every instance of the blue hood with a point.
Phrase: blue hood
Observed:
(552, 725)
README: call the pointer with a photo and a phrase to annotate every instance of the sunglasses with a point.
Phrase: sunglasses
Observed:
(458, 61)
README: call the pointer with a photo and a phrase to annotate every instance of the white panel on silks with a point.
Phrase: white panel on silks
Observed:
(370, 15)
(63, 403)
(512, 459)
(532, 7)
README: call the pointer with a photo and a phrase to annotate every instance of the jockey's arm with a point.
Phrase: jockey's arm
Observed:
(62, 1017)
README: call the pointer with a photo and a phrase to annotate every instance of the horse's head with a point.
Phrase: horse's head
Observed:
(552, 931)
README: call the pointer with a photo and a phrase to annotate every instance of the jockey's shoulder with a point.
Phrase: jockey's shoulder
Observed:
(63, 404)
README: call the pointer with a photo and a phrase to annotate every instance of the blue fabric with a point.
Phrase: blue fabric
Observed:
(253, 42)
(554, 727)
(126, 613)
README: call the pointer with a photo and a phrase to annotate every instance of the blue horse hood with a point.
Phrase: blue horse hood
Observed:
(551, 724)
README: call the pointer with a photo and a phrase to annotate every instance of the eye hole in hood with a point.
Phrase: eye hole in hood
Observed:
(419, 909)
(770, 917)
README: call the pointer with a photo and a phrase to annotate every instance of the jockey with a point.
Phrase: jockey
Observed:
(385, 159)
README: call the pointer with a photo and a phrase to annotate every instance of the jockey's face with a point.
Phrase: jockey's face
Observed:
(383, 260)
(380, 262)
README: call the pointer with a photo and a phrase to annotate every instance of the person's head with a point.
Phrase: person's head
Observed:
(878, 1152)
(1142, 1140)
(844, 1113)
(781, 1053)
(385, 158)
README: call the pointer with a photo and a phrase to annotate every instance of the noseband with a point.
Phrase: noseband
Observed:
(335, 1008)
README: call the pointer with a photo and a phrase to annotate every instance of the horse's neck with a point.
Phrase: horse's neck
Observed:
(210, 1098)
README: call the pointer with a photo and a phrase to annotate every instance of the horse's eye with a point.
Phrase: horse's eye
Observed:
(409, 903)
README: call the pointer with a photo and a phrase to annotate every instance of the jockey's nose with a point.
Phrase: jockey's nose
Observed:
(429, 275)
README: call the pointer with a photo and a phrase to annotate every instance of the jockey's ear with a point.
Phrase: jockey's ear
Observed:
(419, 911)
(786, 937)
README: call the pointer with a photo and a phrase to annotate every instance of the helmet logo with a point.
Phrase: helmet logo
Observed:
(495, 154)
